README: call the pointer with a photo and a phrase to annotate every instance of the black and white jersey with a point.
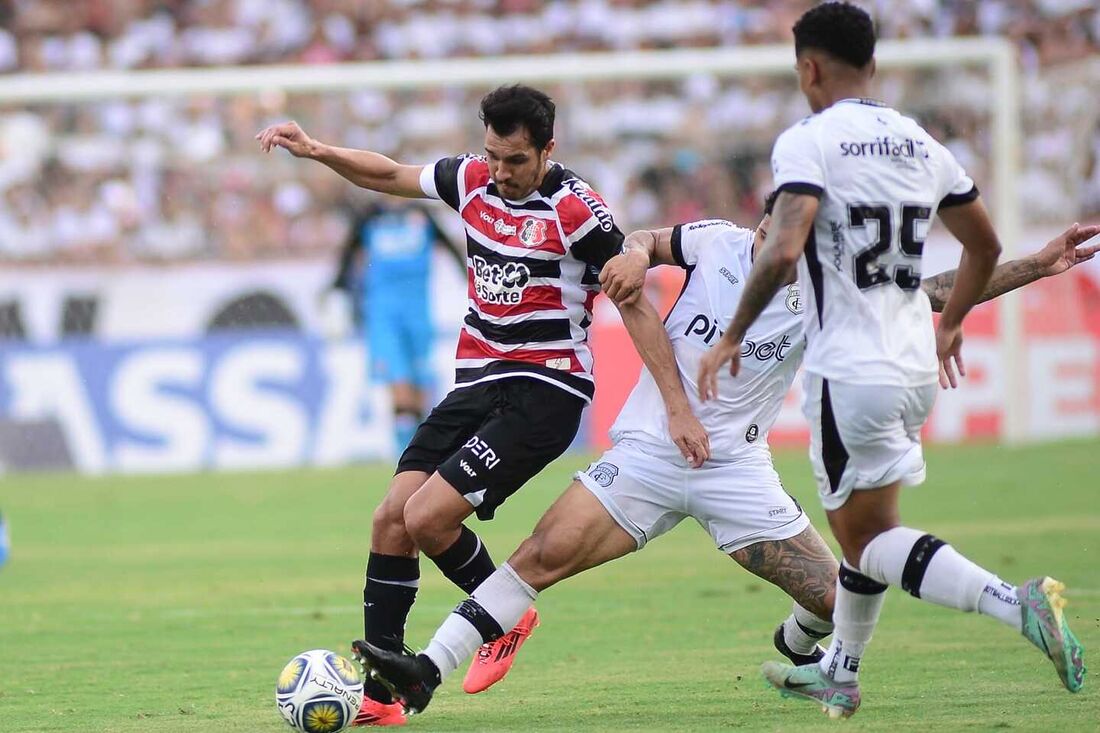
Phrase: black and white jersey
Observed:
(880, 178)
(718, 259)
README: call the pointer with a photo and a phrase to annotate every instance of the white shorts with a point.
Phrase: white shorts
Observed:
(864, 436)
(737, 503)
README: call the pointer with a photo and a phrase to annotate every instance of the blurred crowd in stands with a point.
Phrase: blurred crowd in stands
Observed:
(174, 179)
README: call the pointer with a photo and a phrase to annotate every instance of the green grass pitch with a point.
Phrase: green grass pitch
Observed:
(171, 604)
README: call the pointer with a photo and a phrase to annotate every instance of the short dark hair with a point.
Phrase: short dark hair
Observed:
(769, 201)
(508, 108)
(841, 29)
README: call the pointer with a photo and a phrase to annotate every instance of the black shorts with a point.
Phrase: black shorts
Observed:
(489, 439)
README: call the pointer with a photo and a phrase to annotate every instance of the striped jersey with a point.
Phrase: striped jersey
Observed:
(533, 267)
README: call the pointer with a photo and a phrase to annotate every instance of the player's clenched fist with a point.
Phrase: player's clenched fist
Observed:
(623, 277)
(286, 135)
(723, 351)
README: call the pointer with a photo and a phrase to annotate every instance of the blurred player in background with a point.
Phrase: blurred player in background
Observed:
(720, 474)
(537, 237)
(5, 540)
(385, 267)
(859, 185)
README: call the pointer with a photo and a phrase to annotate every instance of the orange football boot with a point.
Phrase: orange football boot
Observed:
(372, 712)
(495, 658)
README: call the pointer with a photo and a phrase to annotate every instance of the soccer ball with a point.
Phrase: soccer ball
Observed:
(319, 692)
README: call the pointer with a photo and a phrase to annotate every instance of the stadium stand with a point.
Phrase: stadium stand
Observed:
(175, 180)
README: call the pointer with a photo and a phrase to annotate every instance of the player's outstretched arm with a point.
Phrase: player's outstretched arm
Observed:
(1068, 249)
(365, 169)
(792, 218)
(651, 339)
(623, 276)
(970, 224)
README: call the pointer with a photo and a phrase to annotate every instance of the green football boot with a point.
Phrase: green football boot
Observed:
(808, 681)
(1044, 625)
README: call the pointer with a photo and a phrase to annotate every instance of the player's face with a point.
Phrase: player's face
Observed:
(761, 234)
(515, 164)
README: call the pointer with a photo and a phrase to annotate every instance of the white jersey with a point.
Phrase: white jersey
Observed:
(880, 178)
(718, 258)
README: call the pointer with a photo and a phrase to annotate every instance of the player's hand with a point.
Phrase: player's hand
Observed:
(949, 352)
(1062, 253)
(690, 436)
(286, 135)
(623, 276)
(725, 350)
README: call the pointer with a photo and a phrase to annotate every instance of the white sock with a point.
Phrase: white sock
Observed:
(803, 630)
(930, 569)
(999, 601)
(495, 608)
(858, 603)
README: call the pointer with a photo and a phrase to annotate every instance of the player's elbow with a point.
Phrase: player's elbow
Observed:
(984, 248)
(788, 255)
(785, 259)
(988, 247)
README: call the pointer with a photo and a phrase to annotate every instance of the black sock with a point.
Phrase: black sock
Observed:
(388, 596)
(466, 563)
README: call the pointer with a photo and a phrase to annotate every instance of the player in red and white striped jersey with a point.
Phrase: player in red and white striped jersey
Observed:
(537, 236)
(534, 264)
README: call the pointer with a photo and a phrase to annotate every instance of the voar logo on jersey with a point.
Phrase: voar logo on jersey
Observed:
(499, 226)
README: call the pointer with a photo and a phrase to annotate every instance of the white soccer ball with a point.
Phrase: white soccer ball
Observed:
(319, 692)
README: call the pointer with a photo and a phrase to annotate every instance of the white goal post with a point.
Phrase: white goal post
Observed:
(996, 55)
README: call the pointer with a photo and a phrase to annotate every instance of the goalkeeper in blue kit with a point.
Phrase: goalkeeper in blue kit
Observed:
(386, 267)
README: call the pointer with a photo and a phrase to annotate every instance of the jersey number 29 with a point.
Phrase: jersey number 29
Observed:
(881, 263)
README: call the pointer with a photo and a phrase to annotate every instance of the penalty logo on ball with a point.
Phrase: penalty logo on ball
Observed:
(319, 692)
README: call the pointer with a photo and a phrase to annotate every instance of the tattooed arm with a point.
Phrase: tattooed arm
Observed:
(1059, 254)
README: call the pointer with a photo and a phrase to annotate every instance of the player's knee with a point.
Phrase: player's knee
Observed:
(430, 529)
(418, 521)
(387, 518)
(855, 540)
(388, 533)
